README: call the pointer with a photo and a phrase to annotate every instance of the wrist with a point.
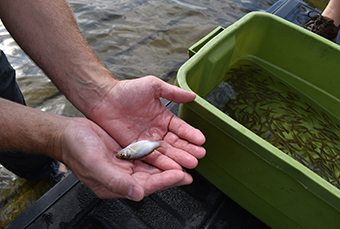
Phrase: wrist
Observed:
(87, 86)
(29, 130)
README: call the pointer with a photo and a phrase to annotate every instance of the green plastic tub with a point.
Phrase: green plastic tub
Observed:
(268, 183)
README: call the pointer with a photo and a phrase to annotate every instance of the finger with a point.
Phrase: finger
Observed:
(180, 156)
(177, 143)
(149, 183)
(100, 191)
(164, 180)
(171, 92)
(184, 131)
(175, 153)
(161, 161)
(141, 166)
(108, 181)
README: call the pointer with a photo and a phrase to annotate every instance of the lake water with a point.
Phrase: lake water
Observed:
(133, 39)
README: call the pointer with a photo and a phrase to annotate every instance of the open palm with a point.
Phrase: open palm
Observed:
(89, 152)
(132, 111)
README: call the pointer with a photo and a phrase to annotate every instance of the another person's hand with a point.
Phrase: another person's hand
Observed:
(91, 154)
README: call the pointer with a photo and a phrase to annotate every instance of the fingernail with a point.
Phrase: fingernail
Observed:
(133, 193)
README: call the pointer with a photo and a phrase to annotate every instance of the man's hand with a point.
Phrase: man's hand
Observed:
(87, 150)
(132, 111)
(127, 110)
(90, 153)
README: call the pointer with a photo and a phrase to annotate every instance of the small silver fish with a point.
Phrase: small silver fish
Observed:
(138, 150)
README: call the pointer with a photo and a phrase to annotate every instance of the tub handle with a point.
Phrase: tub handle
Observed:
(198, 45)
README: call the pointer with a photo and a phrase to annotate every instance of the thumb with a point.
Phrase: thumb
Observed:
(108, 183)
(124, 185)
(135, 193)
(172, 92)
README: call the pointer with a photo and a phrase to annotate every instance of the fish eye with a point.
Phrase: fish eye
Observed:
(120, 155)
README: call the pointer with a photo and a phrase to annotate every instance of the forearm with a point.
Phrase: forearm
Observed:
(48, 33)
(29, 130)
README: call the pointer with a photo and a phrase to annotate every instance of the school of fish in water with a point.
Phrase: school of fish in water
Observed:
(283, 117)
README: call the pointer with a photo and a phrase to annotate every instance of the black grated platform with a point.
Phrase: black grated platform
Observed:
(199, 205)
